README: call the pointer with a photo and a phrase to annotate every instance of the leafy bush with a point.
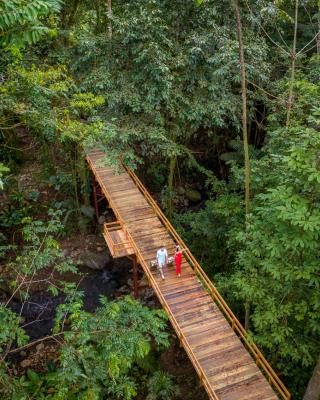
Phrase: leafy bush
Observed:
(161, 387)
(99, 355)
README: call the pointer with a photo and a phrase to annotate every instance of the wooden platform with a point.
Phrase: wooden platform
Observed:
(212, 339)
(117, 240)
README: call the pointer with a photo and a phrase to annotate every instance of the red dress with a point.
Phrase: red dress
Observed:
(177, 261)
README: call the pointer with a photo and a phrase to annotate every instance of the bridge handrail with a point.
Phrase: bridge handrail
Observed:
(236, 325)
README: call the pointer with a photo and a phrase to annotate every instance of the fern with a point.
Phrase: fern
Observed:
(22, 21)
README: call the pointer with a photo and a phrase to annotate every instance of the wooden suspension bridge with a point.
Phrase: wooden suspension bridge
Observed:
(229, 366)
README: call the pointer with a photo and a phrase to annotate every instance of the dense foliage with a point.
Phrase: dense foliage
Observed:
(159, 85)
(100, 356)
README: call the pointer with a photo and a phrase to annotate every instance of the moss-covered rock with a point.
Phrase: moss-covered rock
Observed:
(193, 195)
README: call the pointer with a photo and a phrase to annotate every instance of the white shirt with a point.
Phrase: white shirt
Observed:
(162, 255)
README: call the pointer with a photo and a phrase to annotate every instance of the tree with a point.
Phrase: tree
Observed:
(23, 22)
(46, 101)
(179, 77)
(279, 250)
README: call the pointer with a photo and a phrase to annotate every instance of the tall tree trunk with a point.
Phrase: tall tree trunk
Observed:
(73, 13)
(84, 178)
(313, 388)
(75, 181)
(244, 109)
(244, 130)
(293, 65)
(318, 36)
(109, 19)
(98, 17)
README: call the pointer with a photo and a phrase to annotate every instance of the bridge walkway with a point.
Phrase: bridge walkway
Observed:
(229, 367)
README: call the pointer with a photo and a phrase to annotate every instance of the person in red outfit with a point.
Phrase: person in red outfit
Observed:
(178, 260)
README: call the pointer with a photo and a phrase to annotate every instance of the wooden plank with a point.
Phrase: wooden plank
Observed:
(175, 287)
(120, 187)
(255, 390)
(151, 222)
(120, 179)
(131, 204)
(188, 302)
(210, 329)
(198, 312)
(126, 215)
(184, 291)
(199, 319)
(129, 194)
(240, 376)
(211, 350)
(139, 235)
(149, 250)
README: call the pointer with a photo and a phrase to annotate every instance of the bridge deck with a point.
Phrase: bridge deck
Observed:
(224, 365)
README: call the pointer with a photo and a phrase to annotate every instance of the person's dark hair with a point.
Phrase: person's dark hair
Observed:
(177, 247)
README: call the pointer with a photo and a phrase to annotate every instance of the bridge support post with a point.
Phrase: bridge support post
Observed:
(135, 276)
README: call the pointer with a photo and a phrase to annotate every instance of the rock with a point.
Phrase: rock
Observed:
(101, 219)
(99, 248)
(40, 347)
(181, 190)
(193, 195)
(146, 294)
(106, 276)
(25, 363)
(94, 260)
(22, 353)
(129, 282)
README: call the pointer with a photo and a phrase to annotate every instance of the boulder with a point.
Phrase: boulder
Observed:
(93, 260)
(106, 276)
(181, 190)
(193, 195)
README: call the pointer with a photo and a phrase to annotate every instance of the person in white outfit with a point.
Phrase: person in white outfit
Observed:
(162, 258)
